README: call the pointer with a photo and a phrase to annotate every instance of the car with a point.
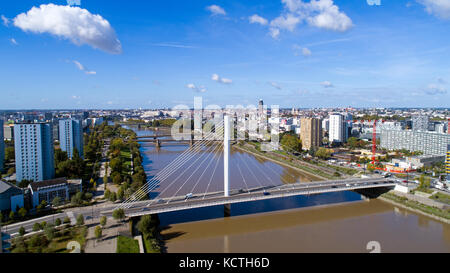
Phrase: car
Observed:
(334, 187)
(266, 193)
(189, 196)
(160, 201)
(348, 185)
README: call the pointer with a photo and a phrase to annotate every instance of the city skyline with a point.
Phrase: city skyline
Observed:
(156, 55)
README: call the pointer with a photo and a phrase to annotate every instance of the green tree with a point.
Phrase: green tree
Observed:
(145, 225)
(80, 220)
(323, 153)
(43, 225)
(22, 231)
(118, 214)
(120, 193)
(22, 212)
(58, 222)
(11, 215)
(291, 143)
(10, 155)
(36, 227)
(56, 201)
(98, 232)
(103, 221)
(66, 220)
(49, 232)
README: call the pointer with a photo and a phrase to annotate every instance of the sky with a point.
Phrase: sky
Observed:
(155, 54)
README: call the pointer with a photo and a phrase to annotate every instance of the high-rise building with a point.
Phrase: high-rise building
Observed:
(420, 123)
(311, 133)
(2, 147)
(34, 151)
(71, 136)
(430, 143)
(338, 128)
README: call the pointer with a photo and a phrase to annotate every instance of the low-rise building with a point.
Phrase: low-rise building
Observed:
(11, 197)
(49, 189)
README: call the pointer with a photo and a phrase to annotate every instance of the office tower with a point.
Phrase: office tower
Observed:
(8, 132)
(311, 133)
(71, 136)
(338, 128)
(420, 123)
(326, 125)
(2, 148)
(34, 151)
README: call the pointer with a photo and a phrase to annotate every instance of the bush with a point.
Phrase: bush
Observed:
(66, 220)
(36, 227)
(80, 220)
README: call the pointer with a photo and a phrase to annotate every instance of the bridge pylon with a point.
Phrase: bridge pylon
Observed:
(226, 155)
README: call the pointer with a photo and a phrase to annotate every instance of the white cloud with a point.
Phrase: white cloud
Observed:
(439, 8)
(76, 97)
(73, 23)
(82, 68)
(200, 89)
(5, 20)
(216, 10)
(317, 13)
(327, 84)
(435, 89)
(13, 41)
(256, 19)
(218, 79)
(301, 50)
(275, 85)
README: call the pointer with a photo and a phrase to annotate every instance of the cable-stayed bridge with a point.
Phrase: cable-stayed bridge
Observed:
(178, 185)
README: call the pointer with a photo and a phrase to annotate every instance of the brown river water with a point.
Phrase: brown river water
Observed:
(335, 222)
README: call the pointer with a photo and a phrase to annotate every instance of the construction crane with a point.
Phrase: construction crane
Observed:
(374, 142)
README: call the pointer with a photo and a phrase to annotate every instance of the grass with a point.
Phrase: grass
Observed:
(441, 197)
(416, 205)
(58, 244)
(151, 245)
(127, 245)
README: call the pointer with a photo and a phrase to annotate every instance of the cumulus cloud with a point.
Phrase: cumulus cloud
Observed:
(216, 10)
(200, 89)
(439, 8)
(327, 84)
(218, 79)
(73, 23)
(4, 20)
(322, 14)
(275, 85)
(82, 68)
(256, 19)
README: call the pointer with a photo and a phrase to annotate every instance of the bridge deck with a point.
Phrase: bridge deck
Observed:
(239, 196)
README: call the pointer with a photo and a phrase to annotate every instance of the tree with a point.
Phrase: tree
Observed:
(43, 225)
(98, 232)
(11, 215)
(77, 199)
(66, 220)
(60, 156)
(56, 201)
(145, 225)
(120, 193)
(22, 212)
(291, 143)
(103, 221)
(58, 222)
(49, 232)
(80, 220)
(10, 154)
(323, 153)
(36, 227)
(22, 231)
(118, 214)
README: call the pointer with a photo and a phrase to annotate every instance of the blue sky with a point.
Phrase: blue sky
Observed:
(162, 53)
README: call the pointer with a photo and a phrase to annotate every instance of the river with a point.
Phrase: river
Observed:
(334, 222)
